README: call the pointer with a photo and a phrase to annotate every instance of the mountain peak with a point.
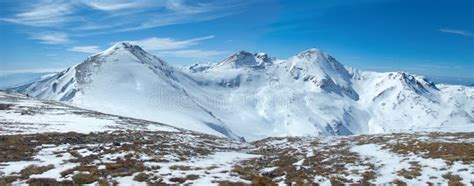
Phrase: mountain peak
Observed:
(263, 56)
(260, 56)
(319, 95)
(241, 54)
(312, 50)
(418, 83)
(124, 46)
(318, 56)
(122, 53)
(245, 59)
(312, 53)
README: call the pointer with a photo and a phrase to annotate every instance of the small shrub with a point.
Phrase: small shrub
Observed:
(336, 181)
(228, 183)
(180, 167)
(413, 172)
(452, 179)
(34, 169)
(178, 179)
(192, 177)
(246, 173)
(399, 182)
(82, 178)
(141, 177)
(48, 181)
(5, 180)
(367, 176)
(262, 181)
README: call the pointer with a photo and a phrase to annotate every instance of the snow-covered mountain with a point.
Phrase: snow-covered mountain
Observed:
(126, 80)
(256, 95)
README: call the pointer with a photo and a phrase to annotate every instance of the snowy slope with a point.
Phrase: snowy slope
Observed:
(126, 80)
(403, 102)
(312, 94)
(20, 114)
(280, 98)
(257, 96)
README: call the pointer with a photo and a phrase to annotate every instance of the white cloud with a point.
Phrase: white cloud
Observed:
(155, 43)
(83, 18)
(176, 48)
(191, 53)
(179, 6)
(182, 13)
(106, 5)
(51, 37)
(457, 31)
(127, 15)
(44, 14)
(85, 49)
(174, 19)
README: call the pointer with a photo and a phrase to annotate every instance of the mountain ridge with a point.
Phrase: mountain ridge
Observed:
(255, 95)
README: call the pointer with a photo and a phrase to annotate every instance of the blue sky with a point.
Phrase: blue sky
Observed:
(431, 38)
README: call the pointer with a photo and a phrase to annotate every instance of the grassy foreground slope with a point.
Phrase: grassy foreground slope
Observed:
(51, 143)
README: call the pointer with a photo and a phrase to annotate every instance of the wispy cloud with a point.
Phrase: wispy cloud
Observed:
(107, 5)
(84, 18)
(155, 43)
(126, 15)
(85, 49)
(51, 37)
(179, 6)
(181, 13)
(457, 31)
(176, 48)
(191, 53)
(43, 14)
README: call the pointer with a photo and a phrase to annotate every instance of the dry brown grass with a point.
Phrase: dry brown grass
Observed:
(399, 182)
(83, 178)
(448, 151)
(329, 159)
(367, 176)
(124, 167)
(180, 167)
(447, 146)
(453, 180)
(34, 169)
(141, 177)
(6, 180)
(158, 145)
(337, 181)
(262, 181)
(412, 172)
(49, 182)
(192, 177)
(228, 183)
(15, 148)
(178, 179)
(245, 173)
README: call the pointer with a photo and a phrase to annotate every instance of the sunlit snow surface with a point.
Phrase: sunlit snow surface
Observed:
(432, 170)
(22, 115)
(256, 96)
